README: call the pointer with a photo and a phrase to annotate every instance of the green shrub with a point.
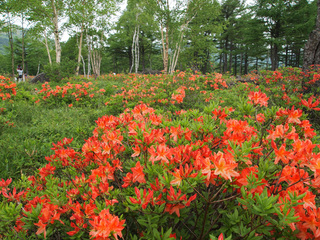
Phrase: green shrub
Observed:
(58, 71)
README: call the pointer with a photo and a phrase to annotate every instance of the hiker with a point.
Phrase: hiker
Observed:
(20, 73)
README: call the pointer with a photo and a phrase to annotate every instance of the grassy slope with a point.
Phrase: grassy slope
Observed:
(23, 147)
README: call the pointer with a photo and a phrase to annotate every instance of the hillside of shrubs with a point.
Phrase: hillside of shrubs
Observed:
(181, 156)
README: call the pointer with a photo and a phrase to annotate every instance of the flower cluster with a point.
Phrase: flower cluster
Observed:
(165, 89)
(7, 88)
(135, 162)
(69, 93)
(247, 170)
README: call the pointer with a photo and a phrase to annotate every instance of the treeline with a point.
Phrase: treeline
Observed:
(155, 35)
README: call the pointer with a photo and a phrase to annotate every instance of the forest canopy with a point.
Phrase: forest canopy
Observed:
(149, 36)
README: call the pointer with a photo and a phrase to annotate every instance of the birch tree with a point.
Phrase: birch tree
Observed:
(42, 34)
(81, 16)
(174, 18)
(85, 15)
(135, 45)
(135, 23)
(49, 13)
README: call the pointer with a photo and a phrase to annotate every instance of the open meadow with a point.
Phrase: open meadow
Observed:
(181, 156)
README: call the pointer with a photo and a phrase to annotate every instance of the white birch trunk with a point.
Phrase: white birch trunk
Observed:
(96, 62)
(137, 52)
(84, 66)
(56, 32)
(47, 47)
(132, 49)
(89, 54)
(79, 53)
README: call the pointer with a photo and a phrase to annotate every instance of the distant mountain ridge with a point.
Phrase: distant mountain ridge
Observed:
(4, 40)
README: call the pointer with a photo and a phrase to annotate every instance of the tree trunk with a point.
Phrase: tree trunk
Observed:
(235, 65)
(275, 34)
(225, 57)
(166, 50)
(96, 62)
(274, 57)
(246, 63)
(89, 54)
(84, 66)
(286, 57)
(176, 55)
(230, 57)
(143, 56)
(241, 60)
(38, 69)
(56, 32)
(220, 63)
(298, 57)
(132, 49)
(11, 44)
(178, 46)
(135, 51)
(47, 47)
(130, 57)
(79, 53)
(311, 54)
(207, 62)
(22, 43)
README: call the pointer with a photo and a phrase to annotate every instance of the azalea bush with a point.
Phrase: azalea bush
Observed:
(69, 94)
(293, 87)
(7, 93)
(7, 88)
(183, 90)
(241, 166)
(144, 176)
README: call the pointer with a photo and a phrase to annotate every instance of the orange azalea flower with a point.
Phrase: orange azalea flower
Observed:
(260, 118)
(179, 174)
(279, 132)
(311, 105)
(162, 153)
(106, 225)
(137, 173)
(174, 208)
(179, 201)
(221, 114)
(5, 183)
(146, 199)
(47, 170)
(281, 154)
(309, 201)
(315, 164)
(136, 150)
(259, 98)
(156, 120)
(42, 228)
(225, 166)
(294, 115)
(206, 169)
(14, 196)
